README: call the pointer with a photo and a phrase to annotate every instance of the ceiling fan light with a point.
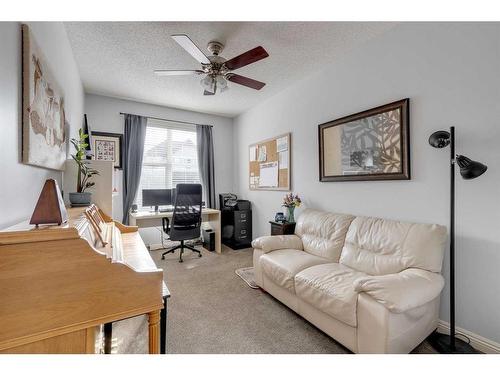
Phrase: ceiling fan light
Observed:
(221, 83)
(208, 83)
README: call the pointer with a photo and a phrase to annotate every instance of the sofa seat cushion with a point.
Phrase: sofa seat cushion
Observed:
(281, 266)
(330, 288)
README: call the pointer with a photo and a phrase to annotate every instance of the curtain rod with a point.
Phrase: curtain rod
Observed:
(164, 119)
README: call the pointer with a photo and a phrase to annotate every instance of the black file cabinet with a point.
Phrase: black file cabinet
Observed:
(236, 222)
(243, 226)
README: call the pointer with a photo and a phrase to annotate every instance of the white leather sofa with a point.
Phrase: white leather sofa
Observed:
(371, 284)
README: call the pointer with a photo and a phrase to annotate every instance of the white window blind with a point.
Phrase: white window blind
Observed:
(170, 156)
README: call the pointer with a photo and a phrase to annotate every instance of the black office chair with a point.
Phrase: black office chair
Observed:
(186, 219)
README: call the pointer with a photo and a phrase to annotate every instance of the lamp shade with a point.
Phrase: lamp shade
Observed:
(470, 169)
(208, 83)
(440, 139)
(221, 83)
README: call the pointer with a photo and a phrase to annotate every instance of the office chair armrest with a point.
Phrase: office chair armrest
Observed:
(165, 222)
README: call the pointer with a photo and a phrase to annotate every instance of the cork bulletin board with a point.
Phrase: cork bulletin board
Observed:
(270, 164)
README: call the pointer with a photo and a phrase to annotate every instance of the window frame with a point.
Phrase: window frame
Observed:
(169, 163)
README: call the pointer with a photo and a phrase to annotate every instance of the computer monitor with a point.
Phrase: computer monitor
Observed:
(156, 197)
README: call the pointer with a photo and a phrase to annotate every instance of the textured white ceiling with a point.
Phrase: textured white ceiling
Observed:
(118, 58)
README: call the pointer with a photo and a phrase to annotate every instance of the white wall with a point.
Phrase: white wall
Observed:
(451, 74)
(21, 184)
(103, 114)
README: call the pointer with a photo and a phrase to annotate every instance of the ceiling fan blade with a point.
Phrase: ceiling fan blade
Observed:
(208, 93)
(245, 81)
(178, 72)
(249, 57)
(191, 48)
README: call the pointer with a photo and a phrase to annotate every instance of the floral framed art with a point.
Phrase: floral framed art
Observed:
(370, 145)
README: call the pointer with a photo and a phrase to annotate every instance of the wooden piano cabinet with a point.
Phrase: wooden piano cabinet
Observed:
(154, 332)
(57, 285)
(77, 342)
(108, 327)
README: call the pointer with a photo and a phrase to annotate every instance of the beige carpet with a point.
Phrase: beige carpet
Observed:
(212, 310)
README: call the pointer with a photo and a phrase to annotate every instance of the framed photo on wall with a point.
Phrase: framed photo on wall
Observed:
(107, 146)
(370, 145)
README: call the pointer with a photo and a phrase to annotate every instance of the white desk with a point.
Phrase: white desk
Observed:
(147, 219)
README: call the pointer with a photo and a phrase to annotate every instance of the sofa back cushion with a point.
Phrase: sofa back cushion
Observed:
(323, 233)
(379, 246)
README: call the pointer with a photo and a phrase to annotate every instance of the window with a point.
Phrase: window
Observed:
(170, 157)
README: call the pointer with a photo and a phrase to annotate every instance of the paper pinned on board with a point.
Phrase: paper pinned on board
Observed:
(282, 144)
(262, 153)
(269, 174)
(254, 182)
(283, 159)
(253, 153)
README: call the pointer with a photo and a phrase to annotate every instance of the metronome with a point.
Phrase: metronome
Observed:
(50, 207)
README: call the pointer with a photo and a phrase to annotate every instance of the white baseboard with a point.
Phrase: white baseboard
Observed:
(478, 342)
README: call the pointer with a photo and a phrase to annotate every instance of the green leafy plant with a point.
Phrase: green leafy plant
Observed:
(85, 173)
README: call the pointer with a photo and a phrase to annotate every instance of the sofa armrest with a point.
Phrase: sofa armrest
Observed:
(270, 243)
(402, 291)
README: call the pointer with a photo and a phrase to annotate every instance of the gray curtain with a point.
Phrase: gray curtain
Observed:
(206, 163)
(134, 136)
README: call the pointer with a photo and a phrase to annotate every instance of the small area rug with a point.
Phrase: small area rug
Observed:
(248, 276)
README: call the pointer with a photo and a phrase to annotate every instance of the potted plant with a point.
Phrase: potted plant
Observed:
(290, 201)
(84, 174)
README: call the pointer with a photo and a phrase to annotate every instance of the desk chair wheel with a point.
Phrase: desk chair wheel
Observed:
(182, 246)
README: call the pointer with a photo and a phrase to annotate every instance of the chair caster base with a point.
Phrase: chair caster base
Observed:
(182, 246)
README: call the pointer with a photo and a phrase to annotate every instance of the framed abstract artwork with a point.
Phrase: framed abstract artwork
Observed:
(107, 146)
(370, 145)
(44, 122)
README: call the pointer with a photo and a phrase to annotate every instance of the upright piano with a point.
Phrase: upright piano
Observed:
(60, 284)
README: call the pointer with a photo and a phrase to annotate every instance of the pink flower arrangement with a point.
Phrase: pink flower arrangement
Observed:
(291, 200)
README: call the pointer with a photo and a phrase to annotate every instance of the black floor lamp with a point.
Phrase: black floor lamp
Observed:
(469, 169)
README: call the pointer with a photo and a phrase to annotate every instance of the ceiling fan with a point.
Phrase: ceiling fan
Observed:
(216, 69)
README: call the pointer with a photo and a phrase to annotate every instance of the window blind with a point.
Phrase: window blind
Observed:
(170, 156)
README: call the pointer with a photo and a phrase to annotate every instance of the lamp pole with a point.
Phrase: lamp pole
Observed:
(469, 169)
(452, 238)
